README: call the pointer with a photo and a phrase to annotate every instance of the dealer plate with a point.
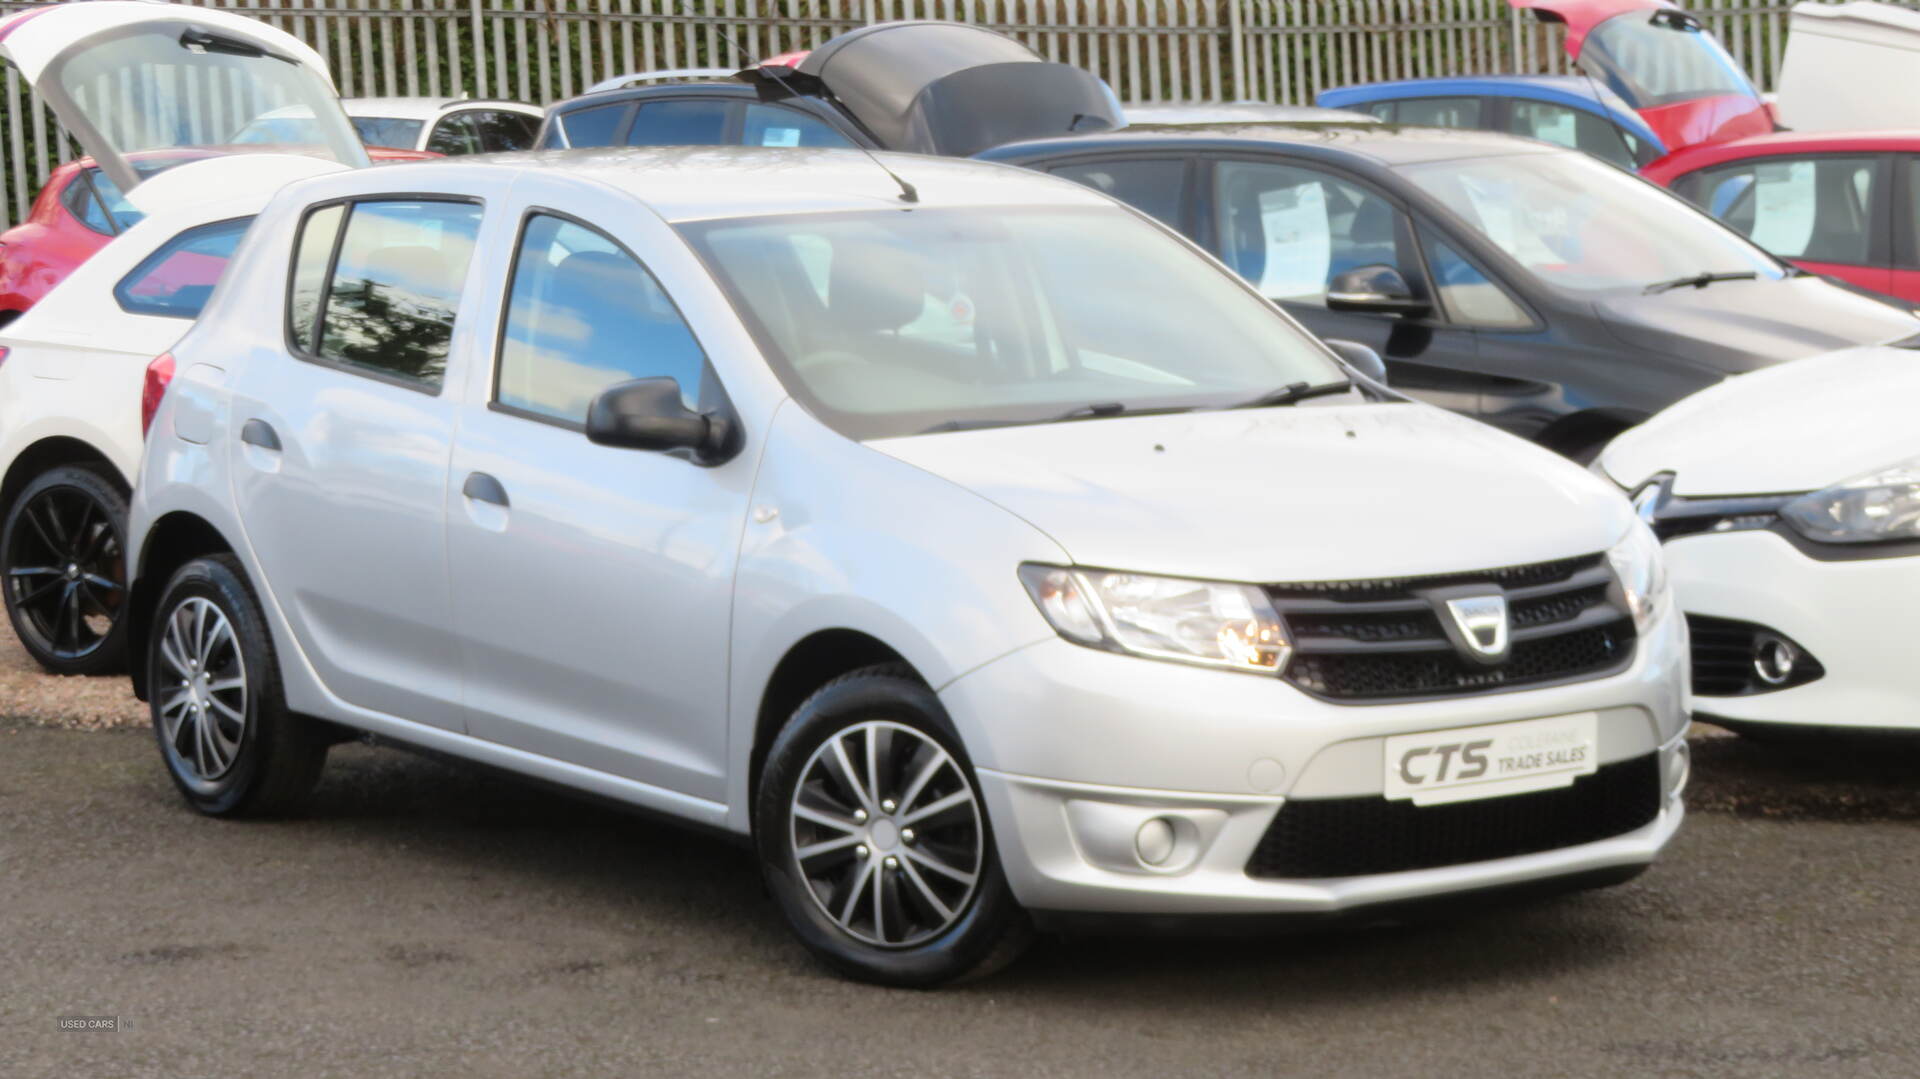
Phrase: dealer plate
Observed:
(1465, 763)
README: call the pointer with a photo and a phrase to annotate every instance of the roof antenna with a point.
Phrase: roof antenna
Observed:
(908, 192)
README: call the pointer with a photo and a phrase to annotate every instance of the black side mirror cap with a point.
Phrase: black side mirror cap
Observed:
(648, 414)
(1361, 358)
(1377, 289)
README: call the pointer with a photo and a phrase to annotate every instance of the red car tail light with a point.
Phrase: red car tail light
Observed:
(159, 373)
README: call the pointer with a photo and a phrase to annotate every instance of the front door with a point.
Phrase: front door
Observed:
(1290, 229)
(591, 585)
(341, 450)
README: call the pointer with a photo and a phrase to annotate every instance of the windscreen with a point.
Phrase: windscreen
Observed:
(1663, 57)
(388, 131)
(1585, 226)
(893, 323)
(154, 87)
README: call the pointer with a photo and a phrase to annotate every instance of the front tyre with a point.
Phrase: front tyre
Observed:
(874, 840)
(219, 715)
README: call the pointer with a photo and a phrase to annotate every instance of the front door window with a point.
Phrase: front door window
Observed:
(1291, 230)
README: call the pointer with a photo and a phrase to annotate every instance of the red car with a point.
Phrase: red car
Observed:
(1663, 62)
(1843, 204)
(75, 214)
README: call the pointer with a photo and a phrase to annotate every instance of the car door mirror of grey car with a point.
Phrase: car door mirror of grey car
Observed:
(1361, 358)
(648, 414)
(1378, 289)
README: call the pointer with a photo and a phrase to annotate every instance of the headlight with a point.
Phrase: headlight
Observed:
(1205, 622)
(1642, 569)
(1880, 506)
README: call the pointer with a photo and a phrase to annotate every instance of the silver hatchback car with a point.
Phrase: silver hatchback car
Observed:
(975, 545)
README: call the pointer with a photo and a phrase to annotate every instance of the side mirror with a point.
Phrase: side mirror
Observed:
(1361, 359)
(647, 414)
(1376, 289)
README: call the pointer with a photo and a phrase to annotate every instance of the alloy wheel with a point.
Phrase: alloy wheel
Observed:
(64, 572)
(202, 685)
(887, 834)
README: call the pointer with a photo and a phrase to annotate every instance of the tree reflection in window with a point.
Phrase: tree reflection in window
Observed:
(396, 287)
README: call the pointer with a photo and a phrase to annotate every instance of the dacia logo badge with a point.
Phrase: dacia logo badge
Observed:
(1483, 626)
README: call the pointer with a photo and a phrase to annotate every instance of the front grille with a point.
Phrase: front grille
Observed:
(1383, 639)
(1724, 651)
(1352, 837)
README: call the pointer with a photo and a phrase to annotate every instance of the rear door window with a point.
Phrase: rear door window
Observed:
(1291, 230)
(778, 125)
(1440, 111)
(583, 314)
(379, 296)
(1814, 208)
(686, 122)
(1157, 186)
(457, 134)
(175, 281)
(504, 132)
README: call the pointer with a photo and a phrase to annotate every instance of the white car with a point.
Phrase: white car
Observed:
(450, 128)
(72, 368)
(642, 475)
(1789, 500)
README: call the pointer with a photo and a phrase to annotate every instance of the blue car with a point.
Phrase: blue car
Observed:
(1570, 110)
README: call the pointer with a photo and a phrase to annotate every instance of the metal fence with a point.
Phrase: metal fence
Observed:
(1149, 50)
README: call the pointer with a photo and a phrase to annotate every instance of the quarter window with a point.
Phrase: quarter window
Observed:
(502, 131)
(1574, 128)
(1469, 296)
(175, 281)
(1290, 230)
(582, 315)
(390, 298)
(455, 135)
(1157, 187)
(598, 126)
(1819, 209)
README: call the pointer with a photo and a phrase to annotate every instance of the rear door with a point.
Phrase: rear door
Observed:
(342, 445)
(131, 80)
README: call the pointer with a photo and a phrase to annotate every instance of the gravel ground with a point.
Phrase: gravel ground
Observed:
(28, 693)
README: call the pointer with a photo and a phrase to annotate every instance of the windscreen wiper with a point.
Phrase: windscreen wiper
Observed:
(195, 40)
(1296, 391)
(1700, 280)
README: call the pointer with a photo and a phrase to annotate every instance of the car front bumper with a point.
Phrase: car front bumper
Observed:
(1076, 749)
(1859, 618)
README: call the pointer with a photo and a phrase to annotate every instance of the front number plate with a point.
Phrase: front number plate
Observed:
(1498, 759)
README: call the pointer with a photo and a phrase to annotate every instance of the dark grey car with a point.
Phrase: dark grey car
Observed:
(1525, 284)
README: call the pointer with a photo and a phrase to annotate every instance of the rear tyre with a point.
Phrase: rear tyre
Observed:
(63, 550)
(219, 715)
(874, 840)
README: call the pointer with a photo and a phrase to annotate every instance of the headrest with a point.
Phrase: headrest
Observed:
(876, 286)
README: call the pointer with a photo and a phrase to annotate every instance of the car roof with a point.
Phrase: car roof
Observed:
(647, 90)
(425, 108)
(1689, 158)
(1384, 144)
(691, 183)
(1226, 112)
(1577, 91)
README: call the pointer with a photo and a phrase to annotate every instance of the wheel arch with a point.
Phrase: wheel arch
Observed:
(810, 663)
(1576, 431)
(52, 452)
(174, 540)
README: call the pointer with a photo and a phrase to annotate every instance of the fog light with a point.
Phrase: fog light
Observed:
(1682, 770)
(1154, 842)
(1774, 659)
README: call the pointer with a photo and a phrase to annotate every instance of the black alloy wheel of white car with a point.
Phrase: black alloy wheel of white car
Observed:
(874, 839)
(63, 550)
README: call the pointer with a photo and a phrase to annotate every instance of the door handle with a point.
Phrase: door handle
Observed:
(260, 433)
(484, 488)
